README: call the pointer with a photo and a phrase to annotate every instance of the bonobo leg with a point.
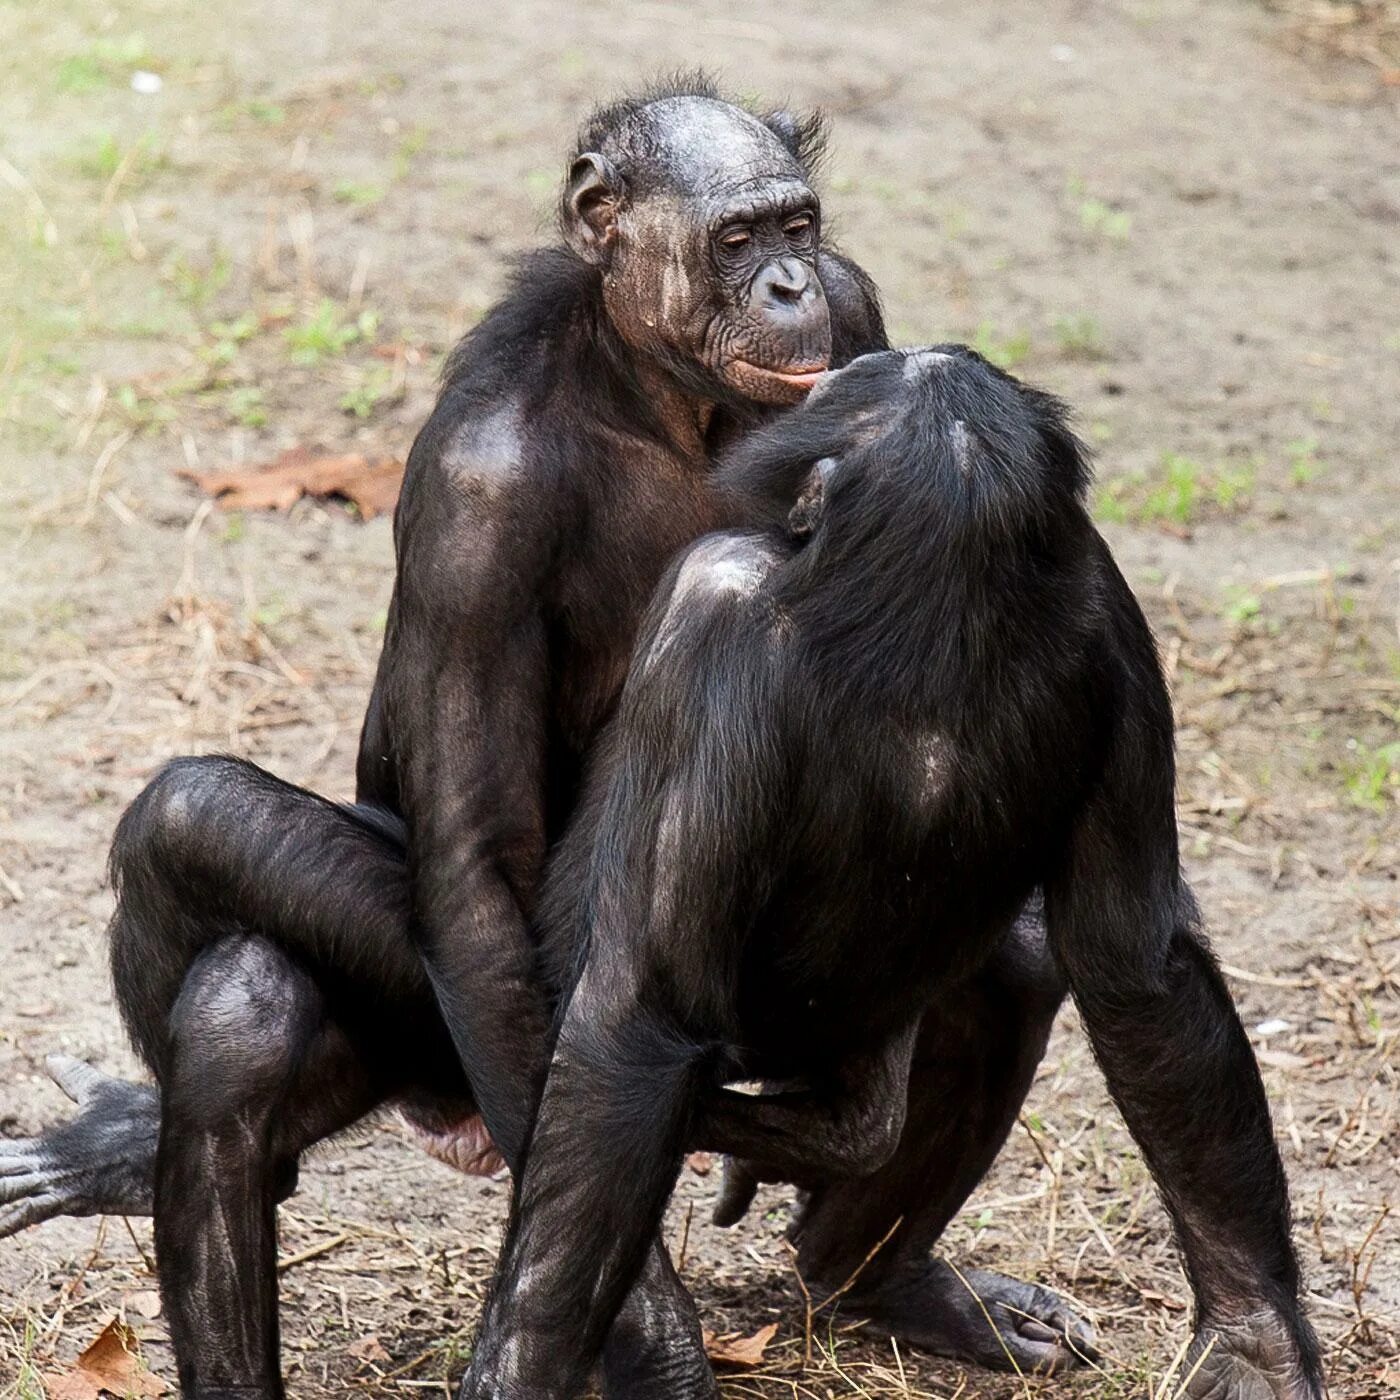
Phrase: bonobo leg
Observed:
(216, 849)
(976, 1056)
(253, 1074)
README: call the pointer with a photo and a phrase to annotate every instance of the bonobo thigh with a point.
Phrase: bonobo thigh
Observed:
(973, 1065)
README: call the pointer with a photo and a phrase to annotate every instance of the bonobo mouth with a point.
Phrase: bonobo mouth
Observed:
(775, 385)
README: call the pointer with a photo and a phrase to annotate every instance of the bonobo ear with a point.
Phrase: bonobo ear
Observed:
(804, 136)
(802, 518)
(591, 198)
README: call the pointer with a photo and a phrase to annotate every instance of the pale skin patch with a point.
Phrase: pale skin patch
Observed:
(931, 768)
(485, 454)
(721, 568)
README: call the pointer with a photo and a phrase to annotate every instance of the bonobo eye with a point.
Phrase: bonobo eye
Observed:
(733, 239)
(799, 227)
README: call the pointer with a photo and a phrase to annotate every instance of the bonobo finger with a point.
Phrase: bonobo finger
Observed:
(22, 1214)
(76, 1078)
(16, 1188)
(18, 1155)
(1079, 1336)
(1036, 1330)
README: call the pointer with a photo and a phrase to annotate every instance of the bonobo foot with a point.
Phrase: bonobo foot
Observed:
(655, 1350)
(100, 1163)
(927, 1305)
(1252, 1358)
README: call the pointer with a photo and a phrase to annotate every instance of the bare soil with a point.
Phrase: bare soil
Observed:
(1184, 217)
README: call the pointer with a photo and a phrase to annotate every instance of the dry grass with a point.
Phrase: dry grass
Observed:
(1364, 31)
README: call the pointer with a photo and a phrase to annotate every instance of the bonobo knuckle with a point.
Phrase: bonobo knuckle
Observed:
(166, 823)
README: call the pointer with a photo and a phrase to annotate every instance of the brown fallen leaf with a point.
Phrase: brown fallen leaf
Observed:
(368, 1349)
(733, 1350)
(371, 486)
(112, 1364)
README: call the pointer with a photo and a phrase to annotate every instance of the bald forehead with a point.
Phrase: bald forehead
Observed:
(701, 146)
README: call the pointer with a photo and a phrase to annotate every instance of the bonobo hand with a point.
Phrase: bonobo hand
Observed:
(1253, 1358)
(100, 1163)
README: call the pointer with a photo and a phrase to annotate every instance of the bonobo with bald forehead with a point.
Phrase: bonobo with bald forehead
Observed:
(711, 265)
(286, 964)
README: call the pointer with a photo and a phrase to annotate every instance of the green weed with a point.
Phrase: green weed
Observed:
(245, 406)
(358, 193)
(1006, 352)
(103, 63)
(1104, 220)
(372, 388)
(1179, 492)
(1303, 465)
(1372, 776)
(326, 333)
(1080, 338)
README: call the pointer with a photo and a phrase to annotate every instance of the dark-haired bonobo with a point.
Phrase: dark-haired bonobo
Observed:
(269, 947)
(853, 743)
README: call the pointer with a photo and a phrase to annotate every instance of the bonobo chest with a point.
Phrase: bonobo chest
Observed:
(635, 508)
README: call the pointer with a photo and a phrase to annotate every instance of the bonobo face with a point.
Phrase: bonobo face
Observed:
(706, 231)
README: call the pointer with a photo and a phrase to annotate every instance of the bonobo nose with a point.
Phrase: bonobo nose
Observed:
(784, 285)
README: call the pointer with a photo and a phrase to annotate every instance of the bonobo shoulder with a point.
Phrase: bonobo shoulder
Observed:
(484, 457)
(473, 452)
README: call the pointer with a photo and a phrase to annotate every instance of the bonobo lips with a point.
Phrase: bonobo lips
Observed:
(776, 385)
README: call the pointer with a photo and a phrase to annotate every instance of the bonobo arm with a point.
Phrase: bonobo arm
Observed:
(677, 846)
(465, 696)
(1123, 924)
(848, 1127)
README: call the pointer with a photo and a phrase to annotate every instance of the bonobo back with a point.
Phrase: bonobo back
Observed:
(942, 591)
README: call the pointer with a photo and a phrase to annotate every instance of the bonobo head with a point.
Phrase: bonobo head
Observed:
(908, 451)
(703, 223)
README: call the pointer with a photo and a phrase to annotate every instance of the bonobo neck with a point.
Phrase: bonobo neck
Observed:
(684, 416)
(551, 332)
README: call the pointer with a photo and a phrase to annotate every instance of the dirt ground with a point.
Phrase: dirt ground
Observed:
(1185, 217)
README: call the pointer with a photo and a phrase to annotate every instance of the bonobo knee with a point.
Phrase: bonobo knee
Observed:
(166, 822)
(238, 1029)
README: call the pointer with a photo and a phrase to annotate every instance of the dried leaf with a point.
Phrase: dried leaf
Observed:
(701, 1163)
(733, 1350)
(371, 486)
(111, 1364)
(144, 1304)
(368, 1349)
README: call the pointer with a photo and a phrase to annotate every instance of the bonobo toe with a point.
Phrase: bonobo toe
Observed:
(981, 1317)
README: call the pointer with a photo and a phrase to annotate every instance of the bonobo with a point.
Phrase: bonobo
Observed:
(287, 964)
(852, 744)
